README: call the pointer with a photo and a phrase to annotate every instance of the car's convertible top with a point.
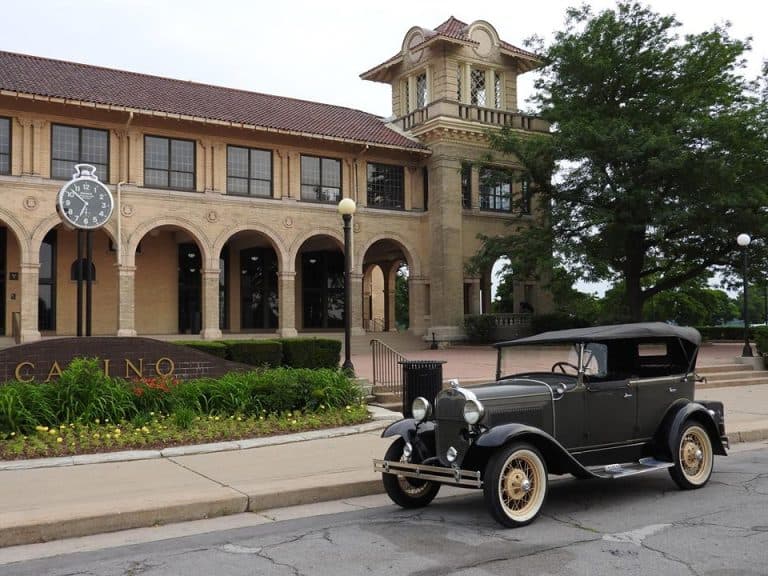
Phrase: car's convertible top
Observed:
(640, 331)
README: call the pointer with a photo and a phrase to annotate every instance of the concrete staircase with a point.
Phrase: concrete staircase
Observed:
(725, 375)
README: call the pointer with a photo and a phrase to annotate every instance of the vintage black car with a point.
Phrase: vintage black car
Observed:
(621, 402)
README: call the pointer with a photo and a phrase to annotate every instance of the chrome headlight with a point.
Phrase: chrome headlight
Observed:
(421, 409)
(473, 411)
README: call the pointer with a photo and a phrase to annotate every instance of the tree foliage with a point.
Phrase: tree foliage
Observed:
(661, 151)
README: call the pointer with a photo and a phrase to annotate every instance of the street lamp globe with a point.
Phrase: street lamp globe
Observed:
(347, 207)
(743, 240)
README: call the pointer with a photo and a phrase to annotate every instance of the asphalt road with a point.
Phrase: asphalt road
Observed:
(641, 525)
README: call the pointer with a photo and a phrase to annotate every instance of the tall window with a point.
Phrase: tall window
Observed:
(5, 145)
(466, 185)
(421, 90)
(497, 89)
(249, 171)
(386, 187)
(46, 284)
(169, 163)
(525, 196)
(478, 93)
(407, 94)
(71, 145)
(459, 81)
(495, 190)
(320, 179)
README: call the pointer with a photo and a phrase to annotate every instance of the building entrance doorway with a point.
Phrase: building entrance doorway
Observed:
(190, 289)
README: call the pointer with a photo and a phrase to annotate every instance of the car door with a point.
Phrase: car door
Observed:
(610, 411)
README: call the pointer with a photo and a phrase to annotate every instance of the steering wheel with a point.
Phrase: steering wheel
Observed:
(562, 366)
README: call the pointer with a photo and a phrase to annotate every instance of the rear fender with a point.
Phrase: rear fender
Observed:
(676, 417)
(558, 459)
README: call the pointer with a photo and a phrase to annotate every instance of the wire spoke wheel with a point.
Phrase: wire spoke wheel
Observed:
(516, 485)
(403, 491)
(694, 458)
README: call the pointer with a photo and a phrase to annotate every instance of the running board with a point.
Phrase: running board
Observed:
(631, 469)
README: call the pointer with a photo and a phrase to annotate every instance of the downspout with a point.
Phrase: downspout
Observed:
(119, 199)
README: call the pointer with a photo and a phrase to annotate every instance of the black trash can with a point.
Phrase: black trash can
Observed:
(420, 378)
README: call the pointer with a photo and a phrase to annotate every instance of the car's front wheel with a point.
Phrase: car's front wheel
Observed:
(693, 457)
(406, 492)
(515, 484)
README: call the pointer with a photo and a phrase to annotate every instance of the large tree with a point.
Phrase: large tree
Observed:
(659, 150)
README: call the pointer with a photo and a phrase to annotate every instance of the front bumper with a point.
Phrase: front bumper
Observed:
(449, 476)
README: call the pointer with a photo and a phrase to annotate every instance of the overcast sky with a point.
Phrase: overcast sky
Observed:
(313, 50)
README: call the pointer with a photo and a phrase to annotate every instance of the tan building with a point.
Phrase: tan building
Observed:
(227, 218)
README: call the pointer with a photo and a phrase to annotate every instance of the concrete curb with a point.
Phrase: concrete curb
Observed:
(381, 419)
(112, 522)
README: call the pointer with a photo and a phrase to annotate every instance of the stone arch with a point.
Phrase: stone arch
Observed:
(283, 260)
(300, 240)
(194, 230)
(110, 229)
(20, 232)
(414, 265)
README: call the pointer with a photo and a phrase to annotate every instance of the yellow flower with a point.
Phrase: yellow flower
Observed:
(52, 431)
(118, 432)
(293, 421)
(97, 421)
(13, 433)
(216, 418)
(261, 417)
(239, 419)
(97, 436)
(108, 436)
(59, 439)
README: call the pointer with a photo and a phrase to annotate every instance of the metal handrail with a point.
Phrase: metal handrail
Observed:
(387, 372)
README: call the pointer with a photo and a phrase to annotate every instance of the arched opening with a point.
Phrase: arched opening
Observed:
(320, 284)
(57, 286)
(10, 282)
(168, 283)
(502, 287)
(386, 301)
(248, 284)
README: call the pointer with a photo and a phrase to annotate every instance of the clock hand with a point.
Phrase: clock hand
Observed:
(78, 196)
(85, 205)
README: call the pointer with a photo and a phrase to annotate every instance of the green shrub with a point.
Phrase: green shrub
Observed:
(556, 321)
(183, 417)
(311, 352)
(761, 340)
(256, 352)
(83, 392)
(480, 327)
(724, 332)
(216, 348)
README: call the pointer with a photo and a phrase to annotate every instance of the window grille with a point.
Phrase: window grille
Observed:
(386, 187)
(71, 145)
(478, 91)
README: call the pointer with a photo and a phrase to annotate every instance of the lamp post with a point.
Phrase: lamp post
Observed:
(347, 207)
(743, 240)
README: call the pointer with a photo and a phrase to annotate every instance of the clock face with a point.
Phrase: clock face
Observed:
(85, 203)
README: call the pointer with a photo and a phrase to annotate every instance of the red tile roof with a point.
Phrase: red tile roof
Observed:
(56, 78)
(454, 29)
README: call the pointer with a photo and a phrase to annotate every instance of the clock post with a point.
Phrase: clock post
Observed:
(84, 203)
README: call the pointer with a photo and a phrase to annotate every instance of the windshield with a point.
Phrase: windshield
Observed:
(560, 359)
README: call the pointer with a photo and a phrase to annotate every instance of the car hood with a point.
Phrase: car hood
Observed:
(511, 388)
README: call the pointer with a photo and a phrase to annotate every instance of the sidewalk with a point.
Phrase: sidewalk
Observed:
(66, 500)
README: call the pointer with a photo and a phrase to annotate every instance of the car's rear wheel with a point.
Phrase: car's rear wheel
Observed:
(693, 457)
(406, 492)
(515, 484)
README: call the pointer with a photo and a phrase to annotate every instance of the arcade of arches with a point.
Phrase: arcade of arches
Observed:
(168, 284)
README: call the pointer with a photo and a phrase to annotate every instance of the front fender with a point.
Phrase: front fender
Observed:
(676, 418)
(407, 428)
(558, 459)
